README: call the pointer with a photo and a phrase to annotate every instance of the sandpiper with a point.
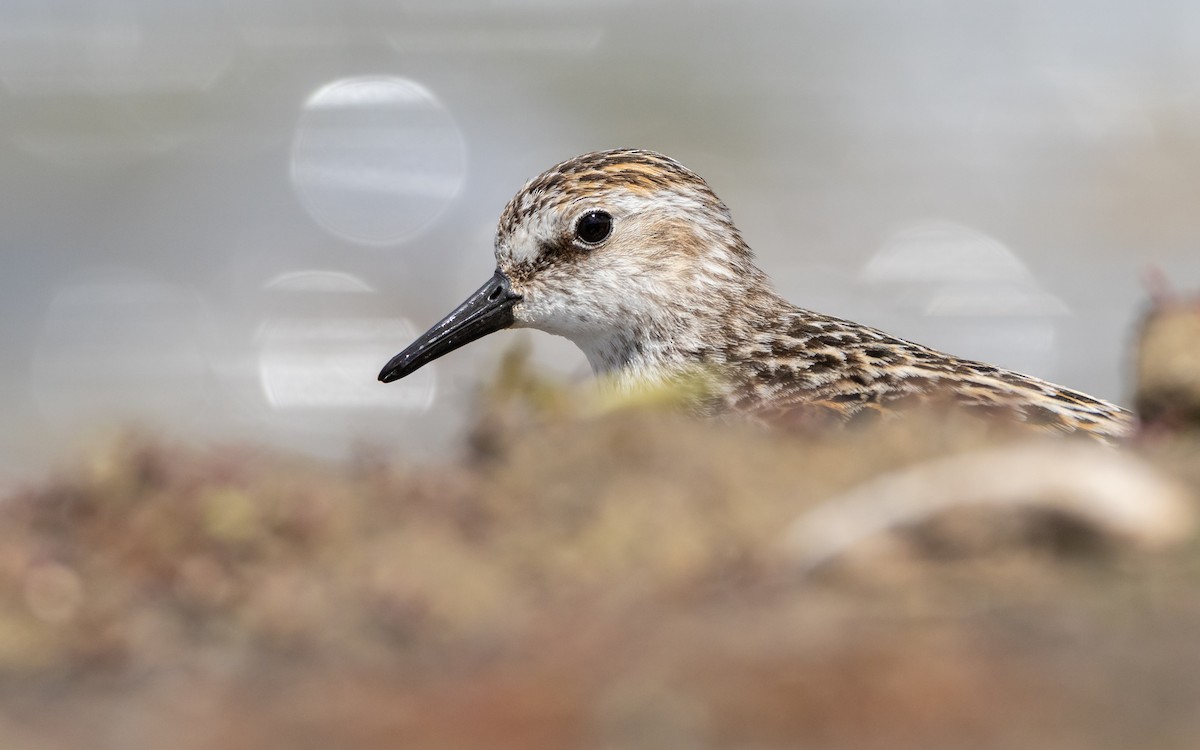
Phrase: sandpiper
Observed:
(632, 256)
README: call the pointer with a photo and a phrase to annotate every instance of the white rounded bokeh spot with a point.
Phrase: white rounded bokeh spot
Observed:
(964, 291)
(322, 349)
(376, 159)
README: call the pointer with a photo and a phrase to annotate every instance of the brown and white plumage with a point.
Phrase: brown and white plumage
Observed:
(672, 287)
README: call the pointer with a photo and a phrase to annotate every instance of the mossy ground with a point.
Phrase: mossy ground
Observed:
(602, 580)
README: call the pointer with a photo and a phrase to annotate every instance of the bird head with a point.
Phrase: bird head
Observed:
(619, 251)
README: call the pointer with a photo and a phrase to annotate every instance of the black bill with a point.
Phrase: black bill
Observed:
(489, 309)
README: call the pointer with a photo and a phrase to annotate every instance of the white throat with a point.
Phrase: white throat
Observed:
(631, 358)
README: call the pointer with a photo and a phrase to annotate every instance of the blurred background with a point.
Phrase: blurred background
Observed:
(220, 219)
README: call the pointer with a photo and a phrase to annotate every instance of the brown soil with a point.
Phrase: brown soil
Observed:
(605, 581)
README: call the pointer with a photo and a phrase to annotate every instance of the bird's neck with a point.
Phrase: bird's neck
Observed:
(704, 335)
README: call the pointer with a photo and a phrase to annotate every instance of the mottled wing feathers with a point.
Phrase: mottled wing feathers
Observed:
(821, 367)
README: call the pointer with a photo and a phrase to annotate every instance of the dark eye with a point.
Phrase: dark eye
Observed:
(594, 227)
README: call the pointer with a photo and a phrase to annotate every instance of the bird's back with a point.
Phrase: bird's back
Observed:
(809, 364)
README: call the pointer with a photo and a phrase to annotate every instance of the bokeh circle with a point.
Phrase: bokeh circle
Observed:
(376, 159)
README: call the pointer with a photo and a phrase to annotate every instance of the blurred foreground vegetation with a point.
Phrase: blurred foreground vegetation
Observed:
(592, 578)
